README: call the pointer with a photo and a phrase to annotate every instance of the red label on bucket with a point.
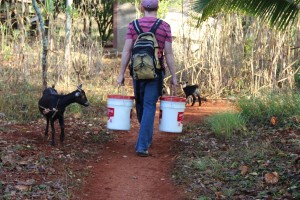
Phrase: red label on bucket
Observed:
(110, 112)
(180, 117)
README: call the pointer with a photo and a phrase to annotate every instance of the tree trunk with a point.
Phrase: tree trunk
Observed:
(45, 43)
(90, 27)
(68, 38)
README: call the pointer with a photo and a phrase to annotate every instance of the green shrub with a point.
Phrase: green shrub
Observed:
(224, 125)
(259, 110)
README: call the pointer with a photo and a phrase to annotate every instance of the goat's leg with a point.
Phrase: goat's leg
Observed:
(47, 127)
(194, 99)
(53, 132)
(186, 100)
(46, 130)
(62, 128)
(199, 99)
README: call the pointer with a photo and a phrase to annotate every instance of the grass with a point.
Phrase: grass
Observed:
(257, 111)
(20, 103)
(260, 109)
(226, 124)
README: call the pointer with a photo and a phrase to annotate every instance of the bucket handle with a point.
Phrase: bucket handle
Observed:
(122, 92)
(172, 94)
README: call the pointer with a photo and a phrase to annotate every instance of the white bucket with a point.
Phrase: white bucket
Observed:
(171, 114)
(119, 112)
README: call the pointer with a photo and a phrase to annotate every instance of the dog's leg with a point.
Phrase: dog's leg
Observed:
(199, 99)
(194, 99)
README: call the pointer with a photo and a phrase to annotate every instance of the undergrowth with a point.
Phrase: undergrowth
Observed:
(226, 124)
(19, 98)
(259, 110)
(231, 154)
(275, 109)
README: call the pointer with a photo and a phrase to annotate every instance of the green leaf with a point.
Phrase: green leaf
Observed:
(277, 13)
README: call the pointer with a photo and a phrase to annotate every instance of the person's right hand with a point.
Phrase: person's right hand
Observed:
(121, 80)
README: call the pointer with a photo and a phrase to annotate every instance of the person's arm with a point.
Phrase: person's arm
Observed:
(126, 53)
(170, 62)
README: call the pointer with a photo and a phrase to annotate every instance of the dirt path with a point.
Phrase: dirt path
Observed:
(119, 174)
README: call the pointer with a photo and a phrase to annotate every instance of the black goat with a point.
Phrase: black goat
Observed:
(52, 106)
(191, 90)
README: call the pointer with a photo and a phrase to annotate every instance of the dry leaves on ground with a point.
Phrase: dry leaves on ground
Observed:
(272, 177)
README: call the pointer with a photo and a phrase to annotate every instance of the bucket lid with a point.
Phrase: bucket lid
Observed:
(172, 98)
(117, 96)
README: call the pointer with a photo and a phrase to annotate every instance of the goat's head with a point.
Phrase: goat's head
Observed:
(80, 96)
(183, 83)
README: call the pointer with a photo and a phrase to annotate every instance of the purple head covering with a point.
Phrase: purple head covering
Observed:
(150, 3)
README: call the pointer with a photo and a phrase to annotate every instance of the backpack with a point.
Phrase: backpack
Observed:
(144, 56)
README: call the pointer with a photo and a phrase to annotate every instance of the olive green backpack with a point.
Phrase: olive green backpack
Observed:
(144, 57)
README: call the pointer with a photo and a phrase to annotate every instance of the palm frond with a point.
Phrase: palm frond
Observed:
(278, 13)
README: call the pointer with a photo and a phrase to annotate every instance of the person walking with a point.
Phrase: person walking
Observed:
(147, 92)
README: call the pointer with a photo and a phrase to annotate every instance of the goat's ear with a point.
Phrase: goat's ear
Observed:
(77, 94)
(79, 87)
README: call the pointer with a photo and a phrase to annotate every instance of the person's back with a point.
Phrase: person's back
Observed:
(163, 32)
(148, 91)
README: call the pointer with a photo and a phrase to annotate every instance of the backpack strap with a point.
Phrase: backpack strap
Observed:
(137, 27)
(155, 26)
(139, 30)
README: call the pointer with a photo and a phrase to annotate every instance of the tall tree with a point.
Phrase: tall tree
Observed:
(68, 37)
(45, 42)
(277, 13)
(104, 19)
(102, 12)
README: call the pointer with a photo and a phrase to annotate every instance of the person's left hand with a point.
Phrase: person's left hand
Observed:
(173, 81)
